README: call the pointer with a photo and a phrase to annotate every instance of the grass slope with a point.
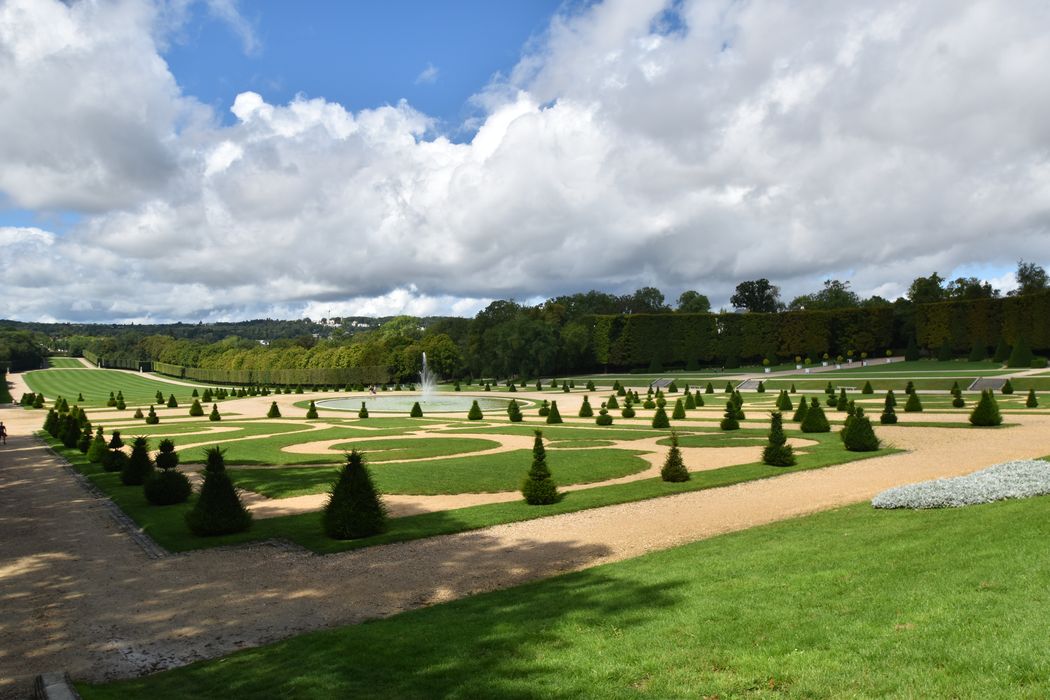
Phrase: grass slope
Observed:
(95, 385)
(849, 603)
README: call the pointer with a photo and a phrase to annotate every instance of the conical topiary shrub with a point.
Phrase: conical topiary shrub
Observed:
(868, 388)
(554, 417)
(514, 412)
(214, 415)
(891, 400)
(815, 420)
(858, 435)
(172, 403)
(168, 486)
(729, 388)
(679, 410)
(218, 509)
(986, 412)
(539, 488)
(660, 419)
(674, 468)
(843, 402)
(1008, 387)
(274, 412)
(800, 412)
(585, 409)
(778, 453)
(729, 421)
(784, 401)
(910, 387)
(363, 413)
(195, 409)
(913, 405)
(311, 411)
(612, 403)
(889, 415)
(97, 449)
(709, 389)
(354, 509)
(475, 411)
(152, 418)
(139, 466)
(689, 403)
(1031, 401)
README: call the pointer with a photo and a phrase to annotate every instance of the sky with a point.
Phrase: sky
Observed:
(213, 160)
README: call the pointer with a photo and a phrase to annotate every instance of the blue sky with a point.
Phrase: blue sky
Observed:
(360, 54)
(681, 144)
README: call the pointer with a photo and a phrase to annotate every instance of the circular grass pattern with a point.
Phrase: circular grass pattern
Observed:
(554, 445)
(396, 449)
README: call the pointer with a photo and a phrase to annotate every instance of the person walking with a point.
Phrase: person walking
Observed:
(3, 433)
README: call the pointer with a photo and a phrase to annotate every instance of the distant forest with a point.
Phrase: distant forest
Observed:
(585, 332)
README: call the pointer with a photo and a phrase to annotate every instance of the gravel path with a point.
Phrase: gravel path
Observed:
(79, 595)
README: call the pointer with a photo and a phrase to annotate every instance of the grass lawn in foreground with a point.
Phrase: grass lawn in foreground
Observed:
(850, 603)
(167, 527)
(492, 473)
(64, 362)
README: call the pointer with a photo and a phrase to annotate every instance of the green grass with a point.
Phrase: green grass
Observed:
(243, 429)
(167, 527)
(850, 603)
(481, 474)
(919, 367)
(268, 450)
(564, 432)
(64, 362)
(95, 385)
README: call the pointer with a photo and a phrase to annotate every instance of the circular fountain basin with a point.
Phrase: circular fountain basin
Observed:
(436, 403)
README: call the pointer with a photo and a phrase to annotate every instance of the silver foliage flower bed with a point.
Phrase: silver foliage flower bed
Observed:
(1022, 478)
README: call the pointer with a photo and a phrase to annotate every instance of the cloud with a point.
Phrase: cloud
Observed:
(428, 75)
(721, 142)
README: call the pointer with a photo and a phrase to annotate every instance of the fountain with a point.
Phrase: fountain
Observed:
(427, 381)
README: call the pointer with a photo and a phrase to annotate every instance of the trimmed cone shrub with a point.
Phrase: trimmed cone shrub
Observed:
(160, 396)
(115, 443)
(274, 412)
(554, 416)
(514, 412)
(121, 405)
(679, 410)
(80, 397)
(416, 412)
(590, 386)
(800, 412)
(112, 400)
(957, 402)
(38, 401)
(729, 422)
(585, 409)
(363, 413)
(913, 405)
(729, 388)
(475, 411)
(891, 400)
(194, 393)
(84, 441)
(114, 461)
(214, 415)
(167, 457)
(545, 409)
(612, 403)
(868, 388)
(709, 389)
(761, 389)
(660, 419)
(986, 412)
(195, 409)
(565, 387)
(539, 488)
(628, 411)
(1021, 355)
(139, 466)
(843, 402)
(778, 453)
(674, 468)
(910, 388)
(218, 509)
(815, 420)
(152, 418)
(690, 402)
(167, 487)
(354, 509)
(1008, 387)
(858, 435)
(97, 450)
(172, 403)
(1031, 401)
(889, 416)
(603, 417)
(792, 390)
(784, 401)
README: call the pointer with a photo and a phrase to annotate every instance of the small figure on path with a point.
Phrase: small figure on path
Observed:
(3, 433)
(372, 390)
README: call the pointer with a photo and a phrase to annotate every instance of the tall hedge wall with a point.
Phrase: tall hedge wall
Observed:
(334, 376)
(984, 321)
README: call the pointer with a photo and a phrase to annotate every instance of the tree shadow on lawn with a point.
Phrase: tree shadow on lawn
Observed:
(514, 645)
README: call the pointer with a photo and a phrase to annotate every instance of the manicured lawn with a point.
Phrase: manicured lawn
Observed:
(242, 429)
(268, 450)
(850, 603)
(564, 432)
(480, 474)
(95, 385)
(64, 362)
